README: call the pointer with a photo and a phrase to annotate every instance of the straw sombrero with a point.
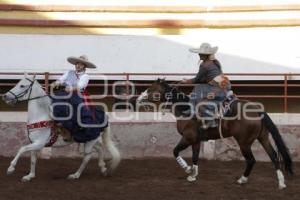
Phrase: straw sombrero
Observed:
(81, 59)
(205, 48)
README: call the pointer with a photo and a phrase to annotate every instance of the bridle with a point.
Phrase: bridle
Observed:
(25, 92)
(168, 99)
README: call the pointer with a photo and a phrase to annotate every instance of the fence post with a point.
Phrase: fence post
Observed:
(285, 93)
(127, 91)
(47, 82)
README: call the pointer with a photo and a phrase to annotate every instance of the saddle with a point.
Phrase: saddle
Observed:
(210, 113)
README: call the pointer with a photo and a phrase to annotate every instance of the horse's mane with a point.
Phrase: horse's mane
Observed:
(174, 90)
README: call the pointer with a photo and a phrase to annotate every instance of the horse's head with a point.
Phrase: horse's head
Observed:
(163, 96)
(156, 93)
(21, 91)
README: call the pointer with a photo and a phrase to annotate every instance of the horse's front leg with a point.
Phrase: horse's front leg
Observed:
(88, 147)
(101, 163)
(182, 145)
(31, 175)
(30, 147)
(193, 175)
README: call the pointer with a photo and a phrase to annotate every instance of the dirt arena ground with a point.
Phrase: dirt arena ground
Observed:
(157, 179)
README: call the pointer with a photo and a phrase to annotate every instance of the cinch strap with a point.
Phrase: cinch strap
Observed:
(41, 124)
(45, 124)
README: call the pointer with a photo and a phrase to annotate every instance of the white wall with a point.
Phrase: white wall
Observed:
(261, 50)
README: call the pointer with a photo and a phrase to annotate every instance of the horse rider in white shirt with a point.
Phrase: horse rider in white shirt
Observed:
(75, 80)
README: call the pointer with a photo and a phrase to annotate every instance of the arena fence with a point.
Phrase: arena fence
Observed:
(283, 84)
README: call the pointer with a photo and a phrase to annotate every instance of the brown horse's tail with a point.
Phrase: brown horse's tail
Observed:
(283, 150)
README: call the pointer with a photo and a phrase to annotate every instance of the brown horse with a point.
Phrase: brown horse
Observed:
(252, 124)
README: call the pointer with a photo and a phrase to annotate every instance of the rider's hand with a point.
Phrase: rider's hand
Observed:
(71, 89)
(55, 84)
(68, 89)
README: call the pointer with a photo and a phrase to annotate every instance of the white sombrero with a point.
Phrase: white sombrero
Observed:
(205, 48)
(81, 59)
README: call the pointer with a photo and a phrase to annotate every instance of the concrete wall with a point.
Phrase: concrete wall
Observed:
(145, 135)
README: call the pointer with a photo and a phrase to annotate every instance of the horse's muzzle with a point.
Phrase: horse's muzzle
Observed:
(4, 97)
(8, 100)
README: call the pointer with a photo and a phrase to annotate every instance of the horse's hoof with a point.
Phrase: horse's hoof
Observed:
(188, 170)
(26, 178)
(10, 170)
(109, 172)
(191, 179)
(282, 186)
(104, 172)
(73, 177)
(242, 180)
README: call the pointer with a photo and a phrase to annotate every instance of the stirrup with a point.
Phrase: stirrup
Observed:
(209, 124)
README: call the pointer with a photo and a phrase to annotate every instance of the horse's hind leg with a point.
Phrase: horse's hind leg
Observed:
(31, 175)
(88, 147)
(264, 140)
(196, 150)
(182, 145)
(250, 161)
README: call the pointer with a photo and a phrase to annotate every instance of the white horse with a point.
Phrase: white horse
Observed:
(39, 104)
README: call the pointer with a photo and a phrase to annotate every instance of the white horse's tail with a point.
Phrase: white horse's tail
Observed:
(113, 150)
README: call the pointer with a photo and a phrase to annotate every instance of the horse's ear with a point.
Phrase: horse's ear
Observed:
(33, 78)
(161, 80)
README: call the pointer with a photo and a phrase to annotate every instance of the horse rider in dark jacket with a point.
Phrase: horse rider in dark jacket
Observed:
(212, 84)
